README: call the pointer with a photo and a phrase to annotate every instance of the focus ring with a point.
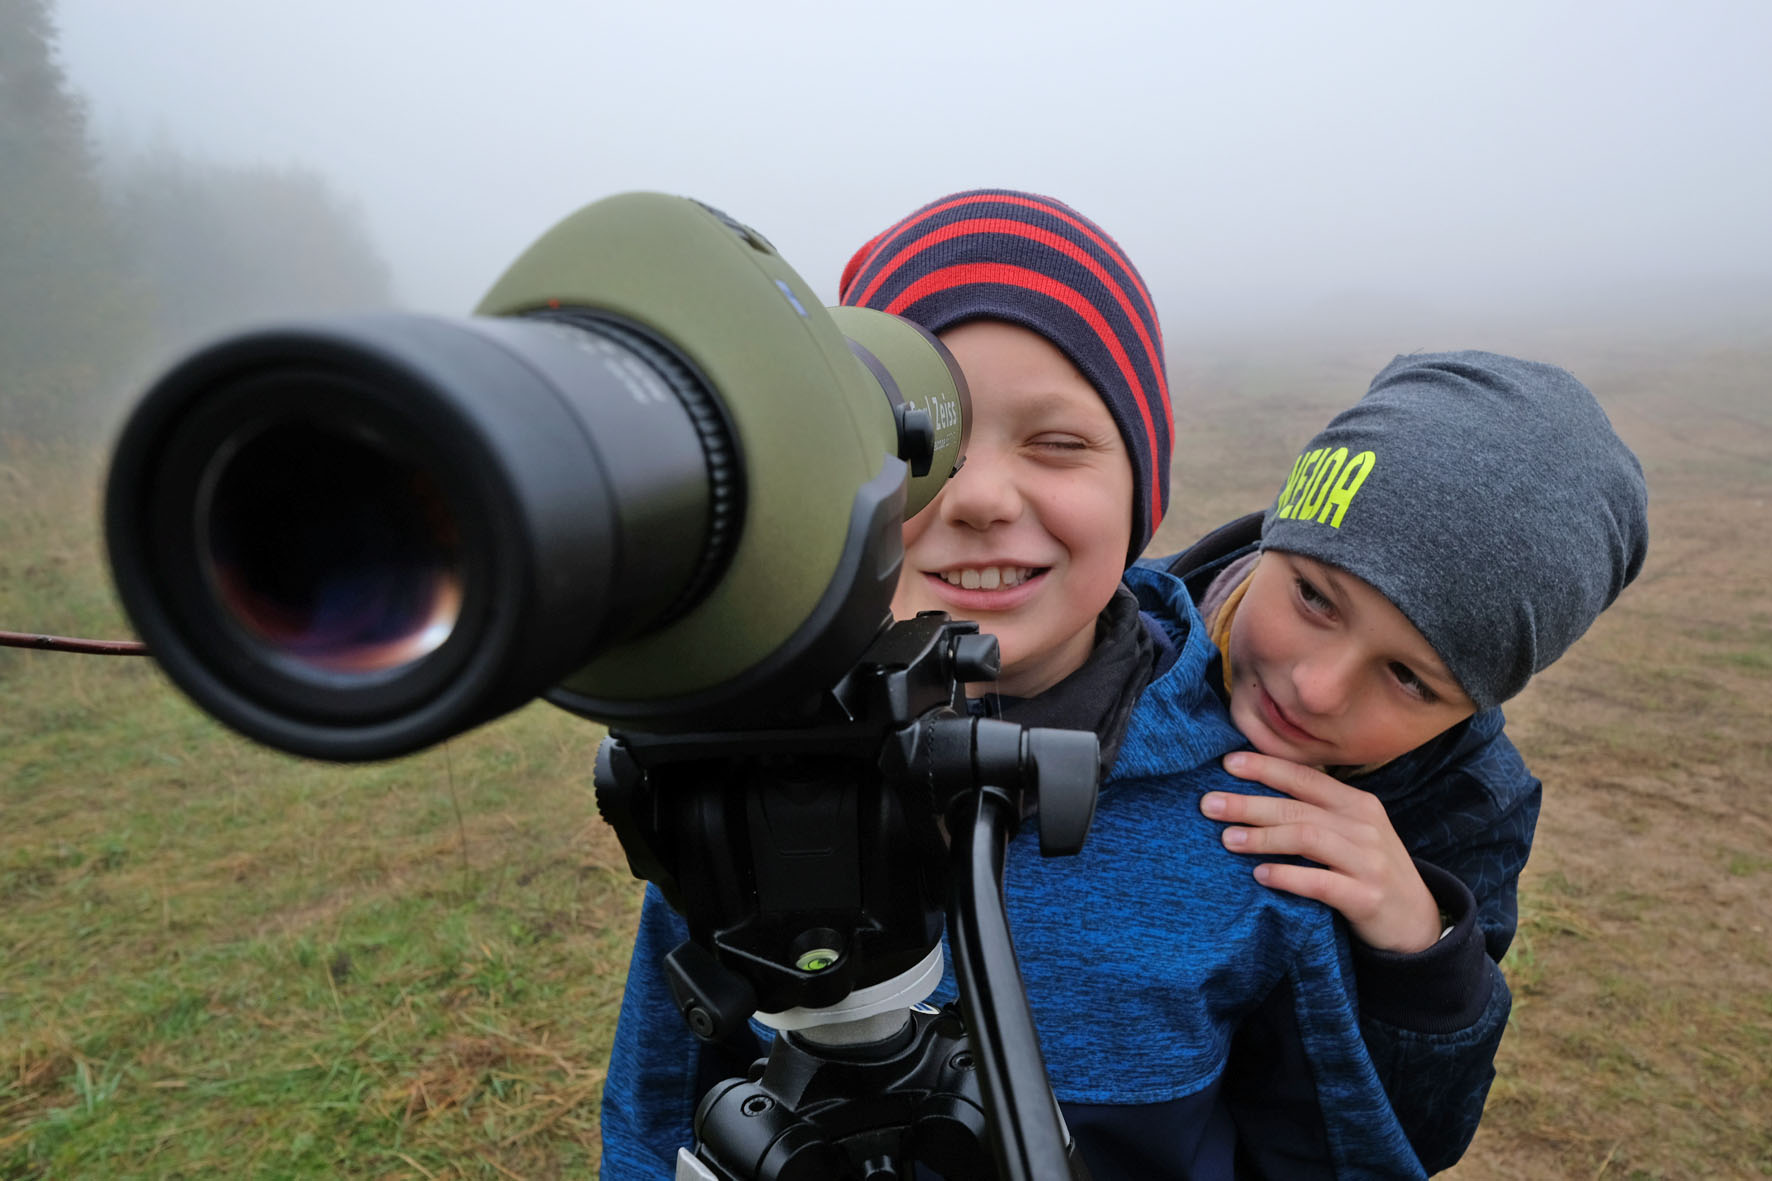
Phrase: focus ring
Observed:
(708, 417)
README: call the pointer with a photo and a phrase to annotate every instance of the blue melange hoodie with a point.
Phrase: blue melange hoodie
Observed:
(1466, 807)
(1141, 956)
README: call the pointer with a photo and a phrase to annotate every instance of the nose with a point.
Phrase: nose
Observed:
(1324, 682)
(982, 494)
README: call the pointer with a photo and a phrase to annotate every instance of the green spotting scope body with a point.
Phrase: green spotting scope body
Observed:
(651, 479)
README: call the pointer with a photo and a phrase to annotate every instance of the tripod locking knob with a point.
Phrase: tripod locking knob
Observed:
(977, 658)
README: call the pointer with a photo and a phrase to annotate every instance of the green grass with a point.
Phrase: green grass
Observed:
(222, 961)
(1741, 863)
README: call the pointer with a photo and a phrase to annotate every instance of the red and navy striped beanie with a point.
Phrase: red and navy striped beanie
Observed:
(999, 254)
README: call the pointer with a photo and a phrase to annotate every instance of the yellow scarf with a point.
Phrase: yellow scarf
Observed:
(1218, 628)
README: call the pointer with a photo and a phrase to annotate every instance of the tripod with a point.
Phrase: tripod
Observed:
(815, 864)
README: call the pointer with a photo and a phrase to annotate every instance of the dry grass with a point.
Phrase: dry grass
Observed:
(221, 961)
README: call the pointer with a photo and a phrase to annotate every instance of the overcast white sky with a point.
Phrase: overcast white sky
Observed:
(1255, 159)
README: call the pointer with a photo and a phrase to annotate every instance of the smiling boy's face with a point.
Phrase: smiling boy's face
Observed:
(1030, 538)
(1327, 672)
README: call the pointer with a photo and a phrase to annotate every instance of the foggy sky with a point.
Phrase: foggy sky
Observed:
(1261, 161)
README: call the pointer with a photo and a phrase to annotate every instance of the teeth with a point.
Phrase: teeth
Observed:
(988, 577)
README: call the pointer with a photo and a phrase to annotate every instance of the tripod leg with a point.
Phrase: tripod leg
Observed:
(1028, 1133)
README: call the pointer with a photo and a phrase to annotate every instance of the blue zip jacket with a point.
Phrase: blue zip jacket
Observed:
(1142, 956)
(1465, 806)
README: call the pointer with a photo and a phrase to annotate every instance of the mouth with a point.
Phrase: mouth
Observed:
(1280, 722)
(988, 577)
(986, 588)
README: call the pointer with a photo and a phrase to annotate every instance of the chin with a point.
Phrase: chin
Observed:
(1253, 726)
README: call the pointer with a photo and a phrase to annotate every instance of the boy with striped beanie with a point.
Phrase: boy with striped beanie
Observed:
(1067, 468)
(1143, 955)
(1018, 258)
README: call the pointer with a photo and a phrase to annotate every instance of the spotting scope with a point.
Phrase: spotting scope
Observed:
(651, 479)
(654, 481)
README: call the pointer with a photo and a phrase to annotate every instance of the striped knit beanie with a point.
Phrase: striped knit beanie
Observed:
(998, 254)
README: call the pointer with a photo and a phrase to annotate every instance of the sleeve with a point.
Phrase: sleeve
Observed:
(650, 1092)
(1433, 1021)
(1438, 1082)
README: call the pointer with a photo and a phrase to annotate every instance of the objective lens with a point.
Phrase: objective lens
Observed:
(330, 549)
(353, 538)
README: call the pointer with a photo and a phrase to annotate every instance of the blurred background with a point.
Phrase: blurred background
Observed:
(215, 959)
(1276, 169)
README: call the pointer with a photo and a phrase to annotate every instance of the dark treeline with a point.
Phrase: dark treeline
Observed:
(106, 262)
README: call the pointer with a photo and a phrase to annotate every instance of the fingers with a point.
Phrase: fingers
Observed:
(1298, 781)
(1262, 810)
(1351, 898)
(1404, 921)
(1358, 815)
(1323, 845)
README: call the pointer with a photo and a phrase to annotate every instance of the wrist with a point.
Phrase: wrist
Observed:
(1426, 925)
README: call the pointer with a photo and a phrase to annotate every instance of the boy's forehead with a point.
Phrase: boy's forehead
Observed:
(1012, 370)
(1007, 354)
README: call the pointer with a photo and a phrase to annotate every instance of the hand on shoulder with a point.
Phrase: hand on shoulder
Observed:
(1362, 868)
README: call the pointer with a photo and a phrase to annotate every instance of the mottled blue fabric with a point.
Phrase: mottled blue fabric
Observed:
(1141, 955)
(1465, 803)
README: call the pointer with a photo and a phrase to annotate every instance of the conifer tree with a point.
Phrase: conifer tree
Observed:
(67, 309)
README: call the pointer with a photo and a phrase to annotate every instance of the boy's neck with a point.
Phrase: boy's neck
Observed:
(1100, 693)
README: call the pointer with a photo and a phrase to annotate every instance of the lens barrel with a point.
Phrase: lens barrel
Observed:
(353, 538)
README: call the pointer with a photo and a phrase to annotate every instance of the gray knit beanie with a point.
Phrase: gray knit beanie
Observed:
(1488, 498)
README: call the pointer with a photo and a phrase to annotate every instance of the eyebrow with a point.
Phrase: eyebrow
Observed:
(1433, 670)
(1048, 401)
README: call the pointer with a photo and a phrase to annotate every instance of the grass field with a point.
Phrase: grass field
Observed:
(215, 960)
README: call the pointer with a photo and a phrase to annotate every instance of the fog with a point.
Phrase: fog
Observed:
(1271, 166)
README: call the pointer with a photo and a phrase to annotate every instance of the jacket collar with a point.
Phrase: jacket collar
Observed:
(1180, 724)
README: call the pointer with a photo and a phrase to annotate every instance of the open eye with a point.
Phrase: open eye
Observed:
(1312, 598)
(1412, 684)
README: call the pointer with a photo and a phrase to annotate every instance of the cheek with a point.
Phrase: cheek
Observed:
(1089, 517)
(1094, 582)
(917, 526)
(1382, 733)
(1257, 633)
(908, 599)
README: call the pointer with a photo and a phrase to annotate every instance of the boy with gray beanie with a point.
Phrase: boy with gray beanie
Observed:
(1439, 543)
